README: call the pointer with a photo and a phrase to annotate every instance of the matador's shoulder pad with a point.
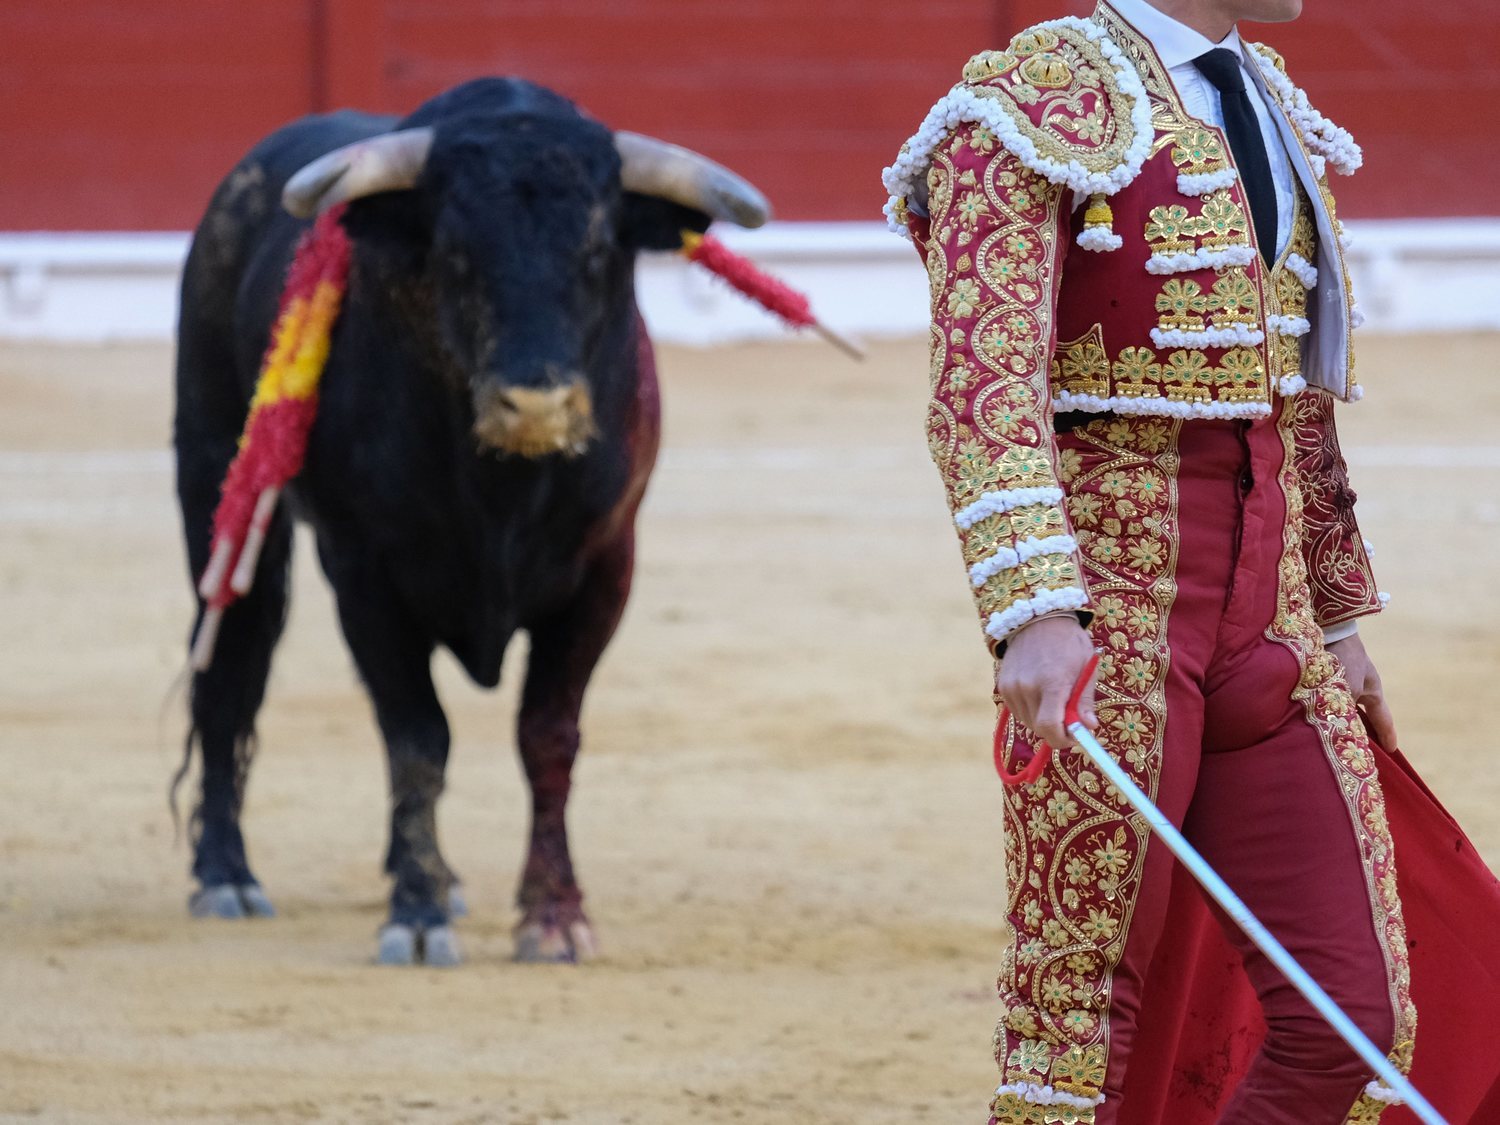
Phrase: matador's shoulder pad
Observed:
(1071, 102)
(1063, 97)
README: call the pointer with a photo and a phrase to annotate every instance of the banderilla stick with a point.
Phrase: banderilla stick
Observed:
(217, 568)
(212, 582)
(208, 633)
(209, 586)
(255, 539)
(843, 343)
(1235, 907)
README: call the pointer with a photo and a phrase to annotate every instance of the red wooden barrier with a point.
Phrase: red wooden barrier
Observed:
(123, 116)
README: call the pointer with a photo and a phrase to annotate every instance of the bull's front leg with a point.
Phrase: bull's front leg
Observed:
(423, 891)
(564, 651)
(395, 661)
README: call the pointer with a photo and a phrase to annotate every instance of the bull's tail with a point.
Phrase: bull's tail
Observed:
(175, 691)
(242, 759)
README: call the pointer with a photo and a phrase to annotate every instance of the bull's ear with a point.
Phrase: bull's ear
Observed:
(649, 222)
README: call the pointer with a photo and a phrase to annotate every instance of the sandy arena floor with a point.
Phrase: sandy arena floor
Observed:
(784, 815)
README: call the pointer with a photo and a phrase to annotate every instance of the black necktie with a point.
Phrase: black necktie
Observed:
(1221, 67)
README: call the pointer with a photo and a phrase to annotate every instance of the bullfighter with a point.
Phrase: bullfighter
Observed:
(1141, 319)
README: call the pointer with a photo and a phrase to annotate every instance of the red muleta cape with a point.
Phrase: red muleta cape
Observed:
(1200, 1023)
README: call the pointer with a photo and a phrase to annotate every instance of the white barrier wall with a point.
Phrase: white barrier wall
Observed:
(1410, 275)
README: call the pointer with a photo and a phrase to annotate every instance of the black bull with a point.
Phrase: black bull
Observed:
(487, 422)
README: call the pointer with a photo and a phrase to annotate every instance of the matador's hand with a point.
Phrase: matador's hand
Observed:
(1364, 685)
(1042, 663)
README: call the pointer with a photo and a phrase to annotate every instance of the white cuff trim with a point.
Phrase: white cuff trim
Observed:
(962, 104)
(1046, 1095)
(1003, 624)
(998, 503)
(1293, 384)
(1005, 558)
(1288, 325)
(1378, 1091)
(1100, 239)
(1184, 261)
(1356, 316)
(1306, 272)
(1206, 337)
(1342, 631)
(1201, 183)
(1385, 599)
(1369, 548)
(1163, 407)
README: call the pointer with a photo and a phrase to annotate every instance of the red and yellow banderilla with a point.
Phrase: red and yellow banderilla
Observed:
(274, 441)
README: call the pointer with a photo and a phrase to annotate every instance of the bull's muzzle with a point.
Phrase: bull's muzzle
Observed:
(535, 422)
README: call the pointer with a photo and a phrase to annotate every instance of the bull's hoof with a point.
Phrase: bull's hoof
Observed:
(228, 901)
(398, 946)
(542, 944)
(440, 948)
(256, 904)
(401, 944)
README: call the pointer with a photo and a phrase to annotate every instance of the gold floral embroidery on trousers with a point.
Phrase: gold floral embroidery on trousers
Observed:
(1330, 710)
(1073, 850)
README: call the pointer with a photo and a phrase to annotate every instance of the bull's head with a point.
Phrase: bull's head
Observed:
(530, 223)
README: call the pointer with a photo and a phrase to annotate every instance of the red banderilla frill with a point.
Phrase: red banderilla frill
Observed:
(771, 293)
(281, 414)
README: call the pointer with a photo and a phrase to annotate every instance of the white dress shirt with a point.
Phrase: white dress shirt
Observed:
(1177, 45)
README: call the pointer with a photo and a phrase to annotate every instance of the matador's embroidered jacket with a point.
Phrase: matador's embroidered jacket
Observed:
(1088, 248)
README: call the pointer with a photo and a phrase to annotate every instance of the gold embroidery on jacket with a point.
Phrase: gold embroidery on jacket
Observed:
(1170, 229)
(1182, 304)
(1221, 222)
(1234, 298)
(1137, 373)
(989, 64)
(988, 425)
(1082, 367)
(1062, 94)
(1197, 151)
(1287, 294)
(1242, 376)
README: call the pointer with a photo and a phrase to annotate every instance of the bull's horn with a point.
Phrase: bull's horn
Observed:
(654, 167)
(389, 162)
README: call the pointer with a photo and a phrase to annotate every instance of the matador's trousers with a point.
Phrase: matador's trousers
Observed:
(1216, 694)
